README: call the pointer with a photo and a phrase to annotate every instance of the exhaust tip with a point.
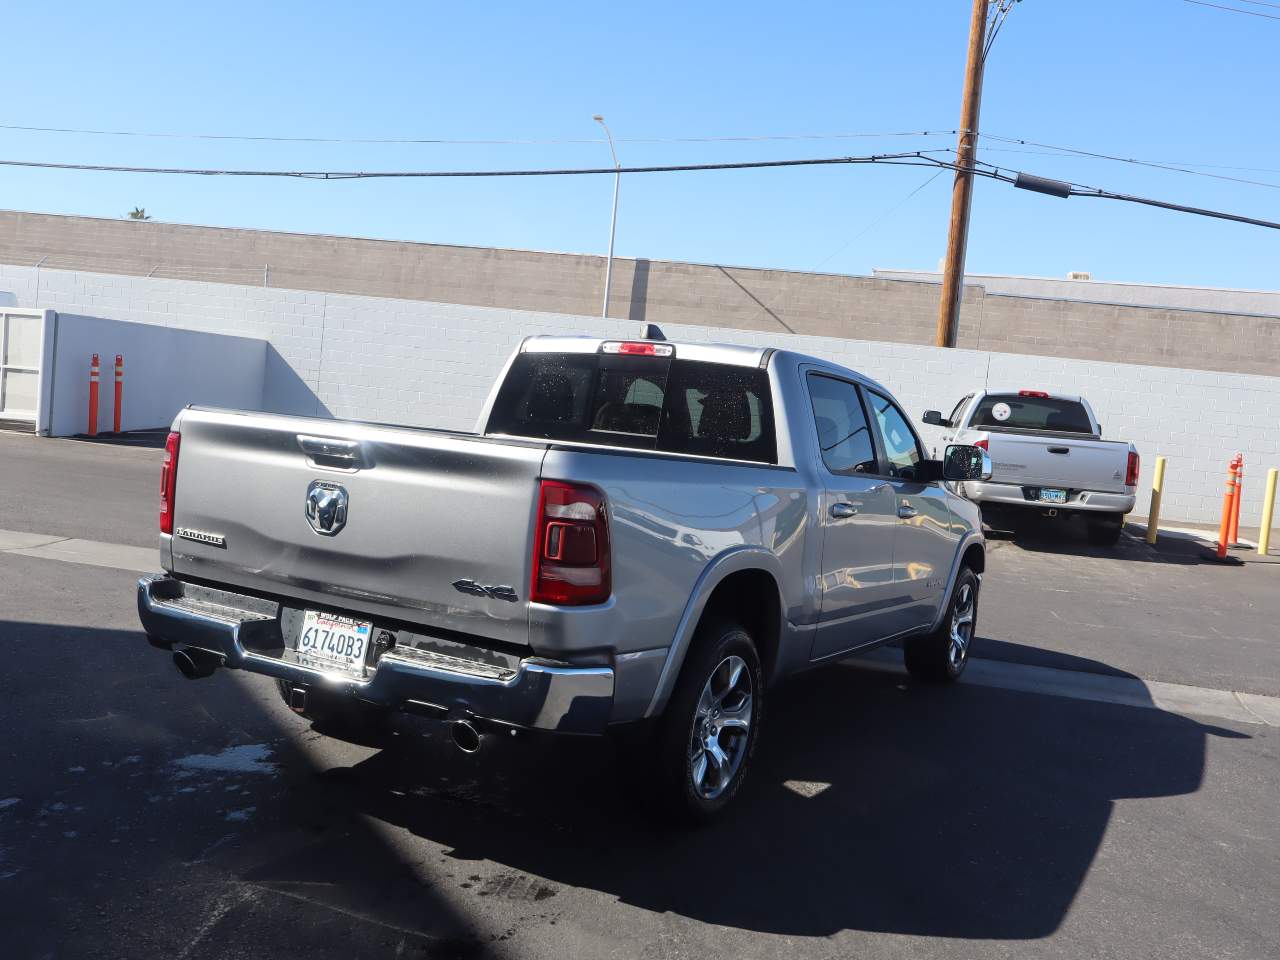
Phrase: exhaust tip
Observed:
(195, 664)
(465, 736)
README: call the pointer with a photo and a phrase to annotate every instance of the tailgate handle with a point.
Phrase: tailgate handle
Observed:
(327, 452)
(1059, 449)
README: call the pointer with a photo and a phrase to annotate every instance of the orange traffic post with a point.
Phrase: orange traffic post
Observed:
(119, 389)
(93, 396)
(1228, 499)
(1235, 507)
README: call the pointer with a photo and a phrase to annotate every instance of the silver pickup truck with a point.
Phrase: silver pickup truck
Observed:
(641, 534)
(1048, 456)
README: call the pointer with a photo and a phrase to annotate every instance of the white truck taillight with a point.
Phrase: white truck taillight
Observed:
(169, 481)
(1131, 474)
(571, 549)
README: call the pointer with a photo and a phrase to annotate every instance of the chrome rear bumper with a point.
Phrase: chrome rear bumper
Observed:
(533, 694)
(1011, 495)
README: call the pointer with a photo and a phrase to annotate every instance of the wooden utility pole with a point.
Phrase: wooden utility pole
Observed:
(962, 192)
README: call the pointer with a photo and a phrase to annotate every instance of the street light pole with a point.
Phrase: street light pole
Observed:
(613, 219)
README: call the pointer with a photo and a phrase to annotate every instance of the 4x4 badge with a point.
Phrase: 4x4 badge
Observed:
(483, 590)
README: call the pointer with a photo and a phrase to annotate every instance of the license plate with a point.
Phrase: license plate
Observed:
(1053, 496)
(333, 643)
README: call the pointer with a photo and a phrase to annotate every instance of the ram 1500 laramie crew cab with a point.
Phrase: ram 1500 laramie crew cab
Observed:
(638, 531)
(1048, 457)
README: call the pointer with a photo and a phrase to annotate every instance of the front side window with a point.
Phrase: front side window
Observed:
(901, 448)
(843, 435)
(954, 419)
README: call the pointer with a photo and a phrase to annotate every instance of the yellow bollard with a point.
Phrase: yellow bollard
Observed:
(1157, 487)
(1268, 506)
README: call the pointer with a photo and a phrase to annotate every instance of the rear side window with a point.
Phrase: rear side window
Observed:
(650, 403)
(1012, 411)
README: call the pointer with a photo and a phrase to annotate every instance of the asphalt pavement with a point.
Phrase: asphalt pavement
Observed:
(143, 815)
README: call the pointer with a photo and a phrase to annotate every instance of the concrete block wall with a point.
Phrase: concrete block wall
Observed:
(431, 364)
(1213, 331)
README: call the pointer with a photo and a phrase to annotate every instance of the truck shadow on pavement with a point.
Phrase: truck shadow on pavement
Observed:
(1067, 538)
(877, 804)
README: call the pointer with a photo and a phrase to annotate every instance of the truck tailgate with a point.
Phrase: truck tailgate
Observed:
(424, 510)
(1070, 463)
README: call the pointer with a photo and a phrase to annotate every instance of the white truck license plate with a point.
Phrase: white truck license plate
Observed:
(1053, 496)
(329, 641)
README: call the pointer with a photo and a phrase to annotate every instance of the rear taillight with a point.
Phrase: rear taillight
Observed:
(169, 481)
(1033, 393)
(570, 546)
(983, 444)
(1131, 474)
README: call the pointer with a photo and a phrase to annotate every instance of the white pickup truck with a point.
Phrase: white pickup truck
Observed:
(1048, 456)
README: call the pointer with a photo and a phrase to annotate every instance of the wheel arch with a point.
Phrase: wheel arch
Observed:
(972, 554)
(743, 585)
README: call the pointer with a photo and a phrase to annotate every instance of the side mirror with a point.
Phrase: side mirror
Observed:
(964, 462)
(934, 418)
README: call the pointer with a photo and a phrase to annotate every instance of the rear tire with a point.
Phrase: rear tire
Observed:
(1106, 532)
(941, 656)
(710, 727)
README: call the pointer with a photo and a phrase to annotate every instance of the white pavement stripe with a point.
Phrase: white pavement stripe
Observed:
(1125, 691)
(71, 550)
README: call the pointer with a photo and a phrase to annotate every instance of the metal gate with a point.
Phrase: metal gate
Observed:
(20, 350)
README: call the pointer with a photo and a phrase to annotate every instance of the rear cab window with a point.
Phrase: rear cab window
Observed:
(1015, 412)
(643, 402)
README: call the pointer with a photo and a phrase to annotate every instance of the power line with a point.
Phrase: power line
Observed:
(995, 23)
(877, 221)
(1141, 163)
(746, 138)
(911, 159)
(1079, 156)
(1218, 6)
(914, 158)
(532, 141)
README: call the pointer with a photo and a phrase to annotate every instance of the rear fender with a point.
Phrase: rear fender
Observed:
(727, 563)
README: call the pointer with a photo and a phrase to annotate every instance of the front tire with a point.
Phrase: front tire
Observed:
(941, 656)
(711, 724)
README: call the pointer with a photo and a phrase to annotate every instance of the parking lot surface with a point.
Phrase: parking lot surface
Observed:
(142, 815)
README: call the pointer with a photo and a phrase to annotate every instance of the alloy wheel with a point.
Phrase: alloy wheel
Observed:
(721, 727)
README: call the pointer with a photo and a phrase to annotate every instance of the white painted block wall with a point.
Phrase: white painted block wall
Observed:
(431, 364)
(165, 369)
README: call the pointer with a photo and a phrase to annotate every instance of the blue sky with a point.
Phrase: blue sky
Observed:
(1154, 79)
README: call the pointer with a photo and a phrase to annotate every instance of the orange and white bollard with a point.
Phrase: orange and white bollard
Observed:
(1228, 501)
(1235, 507)
(93, 396)
(119, 389)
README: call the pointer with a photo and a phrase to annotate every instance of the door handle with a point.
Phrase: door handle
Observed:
(906, 511)
(1059, 449)
(843, 511)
